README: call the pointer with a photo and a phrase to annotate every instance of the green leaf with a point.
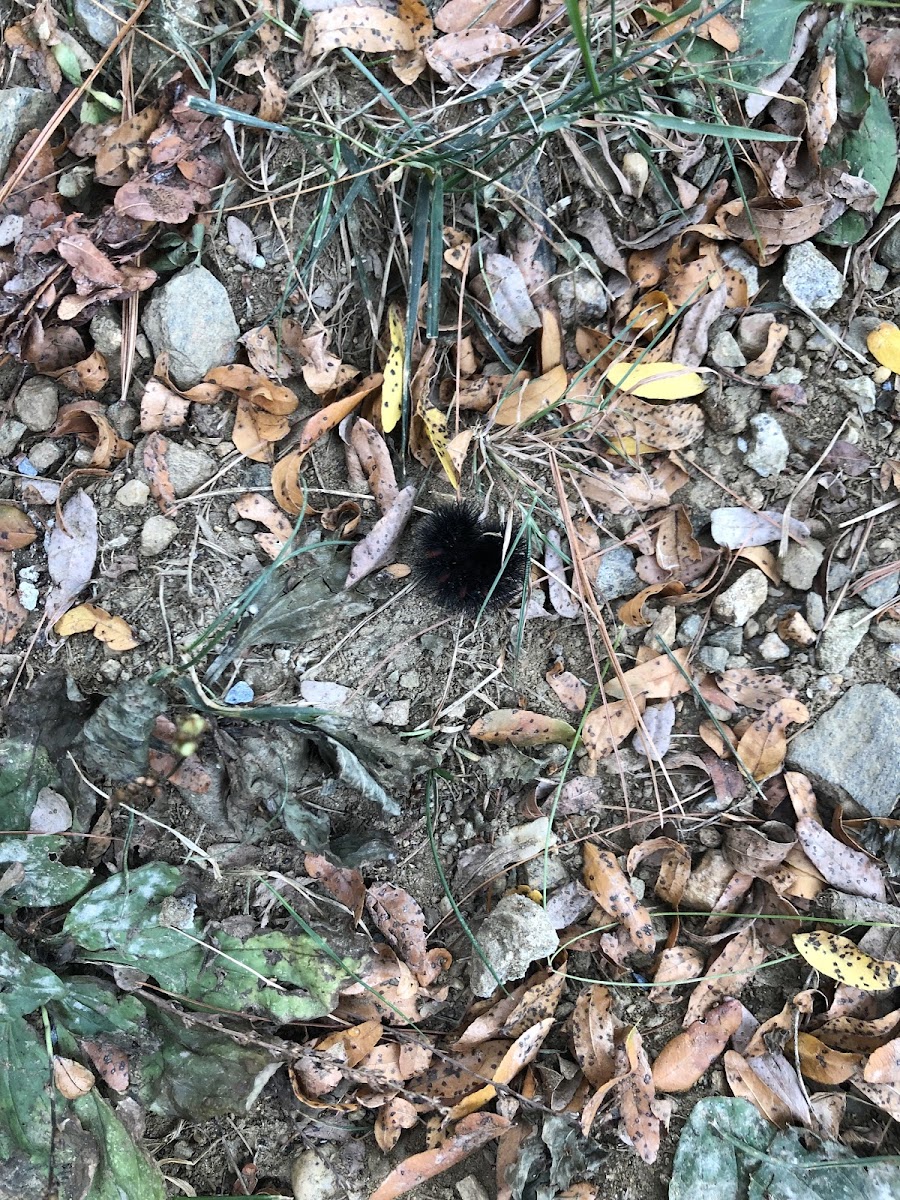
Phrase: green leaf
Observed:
(91, 1008)
(706, 1164)
(125, 1171)
(68, 63)
(304, 982)
(767, 31)
(24, 770)
(24, 1099)
(199, 1074)
(124, 921)
(850, 62)
(24, 985)
(870, 151)
(714, 129)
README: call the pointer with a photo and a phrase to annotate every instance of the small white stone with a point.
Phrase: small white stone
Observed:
(737, 604)
(157, 534)
(772, 648)
(133, 494)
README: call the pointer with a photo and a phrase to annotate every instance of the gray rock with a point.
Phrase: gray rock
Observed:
(21, 109)
(11, 432)
(882, 591)
(124, 417)
(854, 749)
(732, 639)
(815, 611)
(98, 24)
(737, 604)
(886, 631)
(888, 252)
(728, 411)
(801, 563)
(772, 648)
(516, 934)
(106, 330)
(188, 468)
(133, 494)
(714, 658)
(688, 629)
(892, 654)
(844, 633)
(861, 390)
(769, 448)
(725, 352)
(616, 575)
(811, 279)
(582, 297)
(37, 403)
(44, 455)
(734, 256)
(157, 535)
(877, 277)
(190, 318)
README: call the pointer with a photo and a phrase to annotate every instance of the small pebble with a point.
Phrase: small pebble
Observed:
(737, 604)
(133, 494)
(157, 534)
(239, 693)
(772, 648)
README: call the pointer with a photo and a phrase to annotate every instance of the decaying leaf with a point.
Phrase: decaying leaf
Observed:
(609, 884)
(114, 632)
(469, 1135)
(763, 747)
(838, 958)
(377, 547)
(519, 727)
(12, 614)
(609, 726)
(726, 974)
(16, 528)
(682, 1061)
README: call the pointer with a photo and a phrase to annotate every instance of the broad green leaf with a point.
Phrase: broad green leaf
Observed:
(123, 914)
(870, 151)
(24, 770)
(125, 1171)
(24, 985)
(767, 31)
(92, 1008)
(198, 1074)
(68, 63)
(706, 1164)
(24, 1102)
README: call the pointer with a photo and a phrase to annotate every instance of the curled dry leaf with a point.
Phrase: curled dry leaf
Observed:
(532, 398)
(823, 1065)
(691, 1053)
(461, 54)
(674, 869)
(469, 1135)
(375, 460)
(538, 1002)
(524, 1050)
(519, 727)
(72, 1080)
(12, 614)
(763, 365)
(658, 678)
(851, 870)
(754, 689)
(161, 408)
(16, 528)
(87, 420)
(608, 883)
(394, 1116)
(86, 377)
(254, 507)
(560, 593)
(262, 411)
(458, 15)
(763, 747)
(747, 1085)
(606, 728)
(727, 974)
(637, 427)
(884, 1064)
(114, 632)
(637, 1096)
(377, 547)
(569, 689)
(156, 464)
(344, 883)
(676, 964)
(71, 553)
(400, 920)
(593, 1035)
(366, 28)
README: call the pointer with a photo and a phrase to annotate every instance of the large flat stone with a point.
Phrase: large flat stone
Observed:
(853, 750)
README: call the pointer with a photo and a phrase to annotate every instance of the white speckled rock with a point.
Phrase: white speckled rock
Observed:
(746, 596)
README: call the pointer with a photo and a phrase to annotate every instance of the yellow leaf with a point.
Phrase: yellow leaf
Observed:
(436, 428)
(839, 958)
(115, 633)
(656, 380)
(80, 619)
(392, 388)
(884, 343)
